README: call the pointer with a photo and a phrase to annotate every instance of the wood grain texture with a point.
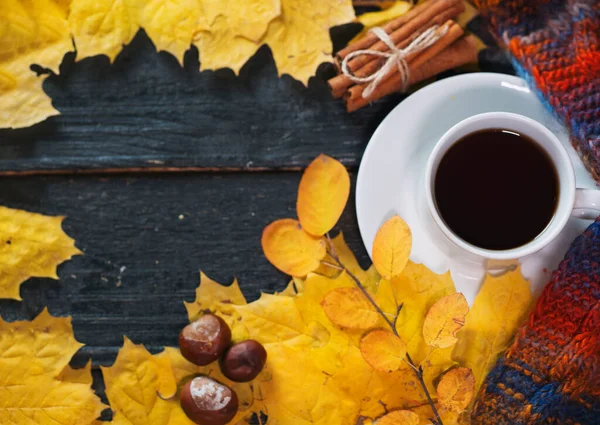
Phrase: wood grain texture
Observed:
(145, 238)
(145, 111)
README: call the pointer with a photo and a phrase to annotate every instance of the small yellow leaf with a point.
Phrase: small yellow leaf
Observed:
(444, 319)
(214, 297)
(383, 350)
(374, 19)
(456, 389)
(31, 245)
(500, 307)
(289, 248)
(349, 308)
(391, 247)
(400, 417)
(322, 195)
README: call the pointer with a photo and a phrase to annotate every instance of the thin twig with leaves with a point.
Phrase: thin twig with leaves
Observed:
(418, 370)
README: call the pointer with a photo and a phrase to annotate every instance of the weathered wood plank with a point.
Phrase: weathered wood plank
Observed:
(145, 238)
(147, 112)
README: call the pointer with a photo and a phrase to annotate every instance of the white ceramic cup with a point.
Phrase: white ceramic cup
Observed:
(583, 203)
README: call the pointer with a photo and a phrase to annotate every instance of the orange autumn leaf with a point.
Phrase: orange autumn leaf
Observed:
(456, 389)
(289, 248)
(391, 247)
(322, 195)
(31, 245)
(400, 417)
(383, 350)
(444, 319)
(349, 308)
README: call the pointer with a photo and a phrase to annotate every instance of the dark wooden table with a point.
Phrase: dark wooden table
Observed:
(163, 171)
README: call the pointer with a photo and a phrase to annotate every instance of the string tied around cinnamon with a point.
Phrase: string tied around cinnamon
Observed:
(395, 57)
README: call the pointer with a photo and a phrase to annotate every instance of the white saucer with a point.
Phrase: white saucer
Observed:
(391, 180)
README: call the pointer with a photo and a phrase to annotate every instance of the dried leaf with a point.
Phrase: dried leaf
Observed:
(378, 18)
(400, 417)
(289, 248)
(299, 38)
(213, 297)
(133, 384)
(181, 370)
(456, 389)
(31, 245)
(416, 289)
(79, 376)
(35, 355)
(369, 278)
(391, 247)
(349, 308)
(444, 319)
(383, 350)
(322, 195)
(29, 35)
(499, 308)
(102, 27)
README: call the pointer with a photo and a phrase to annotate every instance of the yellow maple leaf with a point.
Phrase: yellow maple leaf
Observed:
(80, 376)
(181, 369)
(29, 34)
(133, 384)
(322, 195)
(369, 278)
(416, 290)
(499, 308)
(299, 38)
(31, 245)
(36, 384)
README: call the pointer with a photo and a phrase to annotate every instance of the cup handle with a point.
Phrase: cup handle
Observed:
(587, 204)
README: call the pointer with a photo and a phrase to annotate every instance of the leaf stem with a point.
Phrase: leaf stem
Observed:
(417, 370)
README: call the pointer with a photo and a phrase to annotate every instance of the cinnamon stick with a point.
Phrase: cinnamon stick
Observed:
(429, 15)
(370, 39)
(430, 60)
(340, 83)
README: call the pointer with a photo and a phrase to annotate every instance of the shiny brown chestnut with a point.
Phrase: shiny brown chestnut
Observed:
(244, 361)
(204, 340)
(208, 402)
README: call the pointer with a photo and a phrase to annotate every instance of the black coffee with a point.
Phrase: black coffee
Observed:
(496, 189)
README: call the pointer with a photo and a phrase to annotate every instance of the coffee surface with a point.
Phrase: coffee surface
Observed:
(496, 189)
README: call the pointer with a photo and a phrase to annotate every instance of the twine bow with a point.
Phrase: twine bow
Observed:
(395, 57)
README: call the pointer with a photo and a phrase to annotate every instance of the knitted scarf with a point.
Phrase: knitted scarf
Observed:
(555, 47)
(551, 373)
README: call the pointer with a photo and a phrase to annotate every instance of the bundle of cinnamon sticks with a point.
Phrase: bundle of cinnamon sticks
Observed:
(449, 50)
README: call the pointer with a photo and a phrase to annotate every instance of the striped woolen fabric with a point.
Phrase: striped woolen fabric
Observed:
(555, 46)
(551, 373)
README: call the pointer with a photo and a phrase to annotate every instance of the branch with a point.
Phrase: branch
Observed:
(417, 370)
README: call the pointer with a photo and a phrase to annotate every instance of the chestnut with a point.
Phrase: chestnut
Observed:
(244, 361)
(208, 402)
(204, 340)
